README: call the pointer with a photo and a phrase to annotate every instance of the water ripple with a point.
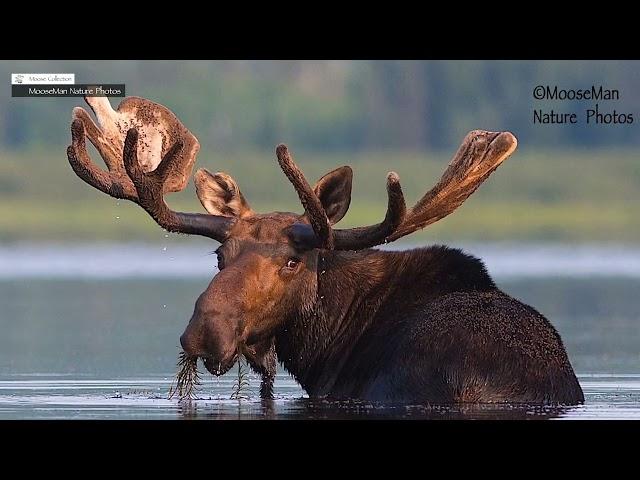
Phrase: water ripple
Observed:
(608, 396)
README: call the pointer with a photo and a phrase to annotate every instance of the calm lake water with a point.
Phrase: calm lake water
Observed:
(92, 332)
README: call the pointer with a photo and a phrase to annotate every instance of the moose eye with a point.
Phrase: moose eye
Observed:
(292, 263)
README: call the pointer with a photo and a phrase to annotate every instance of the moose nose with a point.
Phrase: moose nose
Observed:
(187, 345)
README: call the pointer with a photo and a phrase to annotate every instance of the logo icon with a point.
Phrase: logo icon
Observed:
(19, 78)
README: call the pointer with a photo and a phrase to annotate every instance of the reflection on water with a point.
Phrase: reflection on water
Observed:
(32, 396)
(78, 330)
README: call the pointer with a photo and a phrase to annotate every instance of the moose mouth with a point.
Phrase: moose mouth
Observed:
(187, 378)
(218, 368)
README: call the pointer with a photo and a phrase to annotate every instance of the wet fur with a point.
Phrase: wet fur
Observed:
(426, 325)
(265, 365)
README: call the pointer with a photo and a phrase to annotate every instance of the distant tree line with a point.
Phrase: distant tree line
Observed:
(339, 105)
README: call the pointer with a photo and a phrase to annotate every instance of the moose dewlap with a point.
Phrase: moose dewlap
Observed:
(427, 325)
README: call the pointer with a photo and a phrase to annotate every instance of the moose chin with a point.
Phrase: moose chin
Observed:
(427, 325)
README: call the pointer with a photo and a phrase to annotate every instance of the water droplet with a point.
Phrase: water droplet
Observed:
(321, 297)
(166, 235)
(170, 258)
(164, 249)
(164, 306)
(322, 272)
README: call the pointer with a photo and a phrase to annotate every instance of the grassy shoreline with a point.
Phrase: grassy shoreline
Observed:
(587, 196)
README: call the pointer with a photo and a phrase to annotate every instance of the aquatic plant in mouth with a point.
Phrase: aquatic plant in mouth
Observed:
(242, 382)
(187, 379)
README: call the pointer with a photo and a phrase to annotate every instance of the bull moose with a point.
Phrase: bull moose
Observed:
(426, 325)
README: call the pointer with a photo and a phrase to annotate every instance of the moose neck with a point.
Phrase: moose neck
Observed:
(316, 341)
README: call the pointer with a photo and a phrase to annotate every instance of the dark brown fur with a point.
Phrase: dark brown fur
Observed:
(426, 325)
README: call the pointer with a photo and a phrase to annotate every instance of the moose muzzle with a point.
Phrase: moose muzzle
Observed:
(212, 335)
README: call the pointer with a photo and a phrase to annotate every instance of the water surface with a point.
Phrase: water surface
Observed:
(92, 332)
(54, 397)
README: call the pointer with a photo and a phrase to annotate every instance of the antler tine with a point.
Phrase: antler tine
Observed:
(109, 149)
(363, 237)
(111, 183)
(315, 212)
(150, 195)
(479, 155)
(148, 153)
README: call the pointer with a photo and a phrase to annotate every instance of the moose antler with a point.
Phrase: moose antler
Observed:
(311, 203)
(320, 224)
(480, 153)
(148, 152)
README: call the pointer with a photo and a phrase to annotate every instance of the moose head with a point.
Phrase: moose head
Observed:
(269, 262)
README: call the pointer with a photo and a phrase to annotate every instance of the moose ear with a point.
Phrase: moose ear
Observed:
(220, 194)
(334, 192)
